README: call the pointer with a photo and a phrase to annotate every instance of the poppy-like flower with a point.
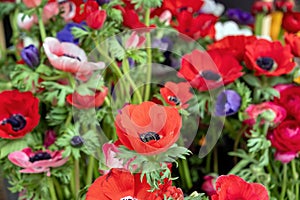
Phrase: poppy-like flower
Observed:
(32, 3)
(87, 101)
(50, 138)
(269, 111)
(233, 44)
(30, 55)
(65, 35)
(176, 94)
(37, 162)
(233, 187)
(82, 9)
(196, 27)
(96, 19)
(291, 22)
(285, 5)
(262, 6)
(19, 113)
(294, 42)
(228, 103)
(286, 139)
(148, 128)
(240, 16)
(269, 58)
(208, 185)
(119, 184)
(230, 28)
(289, 99)
(178, 6)
(209, 70)
(69, 57)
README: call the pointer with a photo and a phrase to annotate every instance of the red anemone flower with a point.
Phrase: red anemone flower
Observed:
(87, 101)
(19, 113)
(96, 19)
(209, 71)
(291, 22)
(232, 187)
(262, 6)
(148, 128)
(119, 184)
(177, 6)
(196, 27)
(176, 94)
(269, 58)
(294, 42)
(233, 44)
(83, 9)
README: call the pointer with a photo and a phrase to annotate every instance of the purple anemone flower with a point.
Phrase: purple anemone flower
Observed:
(240, 16)
(30, 55)
(65, 35)
(228, 103)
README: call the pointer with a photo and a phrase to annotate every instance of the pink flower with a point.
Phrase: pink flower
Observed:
(70, 58)
(25, 23)
(135, 41)
(32, 3)
(268, 110)
(208, 185)
(37, 162)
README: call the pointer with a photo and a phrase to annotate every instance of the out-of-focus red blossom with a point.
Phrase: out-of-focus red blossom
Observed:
(281, 87)
(286, 139)
(32, 3)
(176, 94)
(269, 58)
(276, 113)
(196, 27)
(209, 70)
(289, 99)
(209, 185)
(119, 184)
(177, 6)
(37, 162)
(96, 19)
(87, 101)
(232, 187)
(291, 22)
(19, 113)
(285, 5)
(294, 42)
(233, 44)
(84, 9)
(148, 128)
(50, 138)
(262, 6)
(167, 191)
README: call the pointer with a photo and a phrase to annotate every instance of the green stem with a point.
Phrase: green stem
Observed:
(15, 31)
(58, 189)
(51, 189)
(187, 175)
(77, 177)
(284, 183)
(258, 23)
(295, 176)
(216, 166)
(52, 78)
(41, 24)
(149, 57)
(89, 177)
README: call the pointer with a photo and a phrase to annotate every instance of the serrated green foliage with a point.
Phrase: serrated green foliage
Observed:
(7, 8)
(116, 50)
(201, 104)
(146, 3)
(9, 146)
(57, 116)
(24, 78)
(196, 196)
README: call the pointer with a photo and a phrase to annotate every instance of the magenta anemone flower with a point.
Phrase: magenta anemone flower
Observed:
(69, 57)
(37, 162)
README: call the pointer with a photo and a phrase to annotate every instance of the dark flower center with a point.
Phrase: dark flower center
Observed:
(17, 121)
(210, 75)
(128, 198)
(70, 56)
(174, 100)
(147, 137)
(40, 156)
(77, 141)
(266, 63)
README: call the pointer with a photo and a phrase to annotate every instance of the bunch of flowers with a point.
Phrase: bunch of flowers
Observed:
(150, 99)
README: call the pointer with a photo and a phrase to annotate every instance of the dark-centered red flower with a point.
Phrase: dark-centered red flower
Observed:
(209, 70)
(233, 44)
(291, 22)
(87, 101)
(19, 113)
(294, 42)
(119, 184)
(232, 187)
(196, 27)
(148, 128)
(286, 139)
(176, 94)
(177, 6)
(269, 58)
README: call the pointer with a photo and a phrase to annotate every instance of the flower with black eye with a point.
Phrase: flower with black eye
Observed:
(37, 162)
(269, 58)
(19, 113)
(209, 70)
(148, 128)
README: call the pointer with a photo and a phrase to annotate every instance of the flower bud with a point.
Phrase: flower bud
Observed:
(30, 55)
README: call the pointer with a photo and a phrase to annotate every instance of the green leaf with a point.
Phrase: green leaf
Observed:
(6, 9)
(252, 80)
(146, 3)
(44, 69)
(9, 146)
